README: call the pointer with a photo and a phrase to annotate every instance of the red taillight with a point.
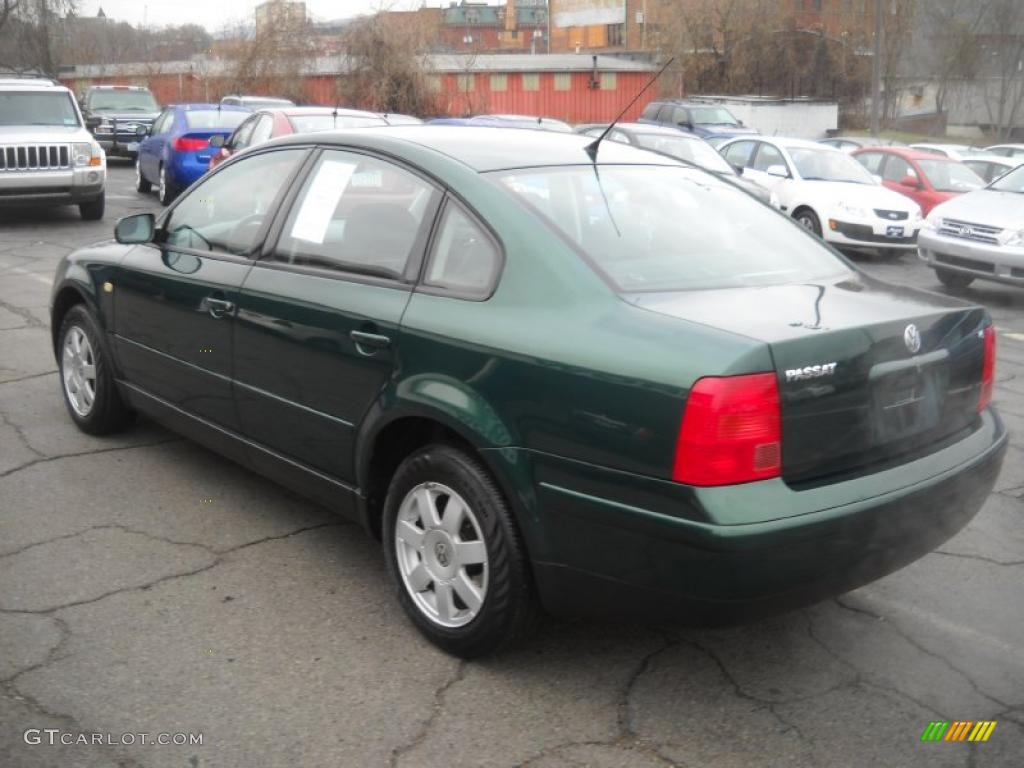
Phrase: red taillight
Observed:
(185, 144)
(731, 431)
(988, 369)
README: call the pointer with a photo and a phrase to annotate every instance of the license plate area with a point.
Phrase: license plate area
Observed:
(893, 231)
(908, 402)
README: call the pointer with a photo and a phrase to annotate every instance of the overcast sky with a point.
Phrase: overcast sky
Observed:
(213, 14)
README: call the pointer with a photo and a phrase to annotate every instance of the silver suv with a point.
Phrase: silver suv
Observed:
(47, 157)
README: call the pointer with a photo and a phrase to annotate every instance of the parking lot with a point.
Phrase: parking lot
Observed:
(151, 587)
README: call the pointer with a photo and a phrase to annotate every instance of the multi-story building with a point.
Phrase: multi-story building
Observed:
(470, 26)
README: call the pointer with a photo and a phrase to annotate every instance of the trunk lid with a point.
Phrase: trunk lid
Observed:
(859, 388)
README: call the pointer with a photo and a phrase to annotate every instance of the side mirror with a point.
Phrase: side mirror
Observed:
(777, 170)
(741, 123)
(142, 131)
(136, 229)
(877, 178)
(92, 122)
(737, 168)
(910, 181)
(217, 141)
(685, 124)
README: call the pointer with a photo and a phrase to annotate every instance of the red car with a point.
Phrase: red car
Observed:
(927, 179)
(266, 124)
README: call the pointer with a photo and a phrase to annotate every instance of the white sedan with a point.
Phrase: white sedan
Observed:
(828, 192)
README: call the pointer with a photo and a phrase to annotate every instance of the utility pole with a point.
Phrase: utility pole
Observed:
(876, 72)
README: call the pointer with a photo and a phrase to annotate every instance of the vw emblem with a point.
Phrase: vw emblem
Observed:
(912, 338)
(441, 552)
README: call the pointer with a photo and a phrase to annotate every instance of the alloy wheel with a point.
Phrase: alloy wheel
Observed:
(78, 369)
(441, 555)
(163, 184)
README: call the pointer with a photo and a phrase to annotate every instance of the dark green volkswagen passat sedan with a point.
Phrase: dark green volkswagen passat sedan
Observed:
(622, 386)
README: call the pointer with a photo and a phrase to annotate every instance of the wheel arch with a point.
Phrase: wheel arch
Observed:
(68, 295)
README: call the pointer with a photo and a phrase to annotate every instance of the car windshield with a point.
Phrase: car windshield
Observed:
(314, 123)
(214, 118)
(35, 108)
(691, 150)
(950, 177)
(122, 101)
(655, 228)
(1011, 182)
(828, 165)
(711, 116)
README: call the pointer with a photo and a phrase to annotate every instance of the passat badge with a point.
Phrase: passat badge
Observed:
(810, 372)
(912, 338)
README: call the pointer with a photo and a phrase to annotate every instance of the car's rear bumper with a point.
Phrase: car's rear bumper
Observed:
(187, 167)
(605, 557)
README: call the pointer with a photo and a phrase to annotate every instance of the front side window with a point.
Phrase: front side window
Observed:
(464, 257)
(950, 177)
(657, 228)
(264, 127)
(37, 108)
(243, 133)
(356, 214)
(227, 211)
(897, 169)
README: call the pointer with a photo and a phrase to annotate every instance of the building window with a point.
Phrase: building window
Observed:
(563, 81)
(608, 81)
(531, 82)
(616, 34)
(466, 83)
(816, 4)
(499, 82)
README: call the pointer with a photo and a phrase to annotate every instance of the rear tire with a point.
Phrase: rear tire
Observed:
(955, 281)
(141, 185)
(456, 558)
(87, 375)
(94, 209)
(809, 220)
(166, 191)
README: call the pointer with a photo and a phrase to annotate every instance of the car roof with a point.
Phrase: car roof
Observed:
(209, 107)
(1006, 146)
(659, 129)
(31, 84)
(907, 153)
(932, 145)
(687, 103)
(300, 111)
(997, 159)
(486, 148)
(787, 143)
(117, 88)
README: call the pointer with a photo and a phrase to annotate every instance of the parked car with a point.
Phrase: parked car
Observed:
(704, 120)
(177, 150)
(114, 115)
(396, 118)
(682, 146)
(47, 156)
(256, 102)
(619, 386)
(851, 144)
(1006, 150)
(270, 123)
(828, 193)
(978, 236)
(991, 167)
(927, 179)
(954, 151)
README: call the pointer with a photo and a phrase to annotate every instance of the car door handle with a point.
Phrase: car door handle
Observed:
(219, 307)
(369, 343)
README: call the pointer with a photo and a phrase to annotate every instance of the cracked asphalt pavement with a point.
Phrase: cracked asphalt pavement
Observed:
(149, 586)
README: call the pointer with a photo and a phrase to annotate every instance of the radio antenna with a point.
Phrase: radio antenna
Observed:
(591, 149)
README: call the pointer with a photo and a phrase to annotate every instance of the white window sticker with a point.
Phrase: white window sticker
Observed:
(321, 200)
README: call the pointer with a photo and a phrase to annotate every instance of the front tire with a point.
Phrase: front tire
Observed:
(87, 375)
(455, 555)
(94, 209)
(141, 185)
(955, 281)
(809, 220)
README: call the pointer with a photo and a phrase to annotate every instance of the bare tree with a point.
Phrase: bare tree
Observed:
(274, 59)
(1004, 46)
(28, 30)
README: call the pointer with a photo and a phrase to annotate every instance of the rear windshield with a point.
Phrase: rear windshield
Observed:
(693, 151)
(657, 228)
(947, 176)
(314, 123)
(214, 118)
(34, 108)
(1011, 182)
(122, 101)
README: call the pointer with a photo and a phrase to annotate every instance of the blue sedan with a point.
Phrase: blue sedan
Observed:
(177, 150)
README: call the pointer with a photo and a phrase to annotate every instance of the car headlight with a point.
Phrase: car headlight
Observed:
(85, 154)
(931, 223)
(852, 210)
(774, 202)
(1013, 238)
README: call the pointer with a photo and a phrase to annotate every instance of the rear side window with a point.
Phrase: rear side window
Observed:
(357, 214)
(872, 161)
(651, 111)
(663, 228)
(738, 154)
(264, 127)
(897, 169)
(464, 258)
(767, 156)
